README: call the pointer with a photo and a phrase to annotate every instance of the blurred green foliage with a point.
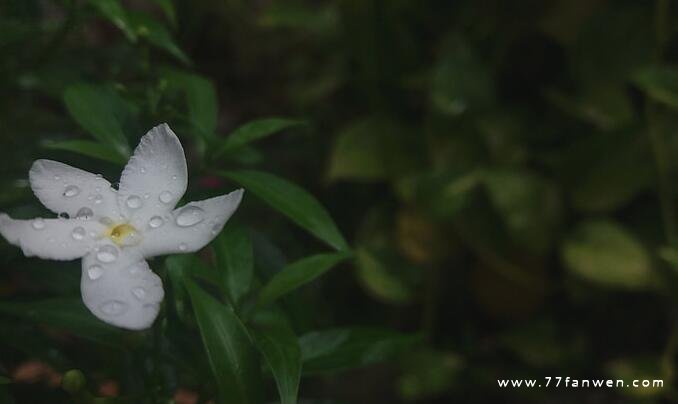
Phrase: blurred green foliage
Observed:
(503, 172)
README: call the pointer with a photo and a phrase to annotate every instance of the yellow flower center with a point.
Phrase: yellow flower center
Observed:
(123, 234)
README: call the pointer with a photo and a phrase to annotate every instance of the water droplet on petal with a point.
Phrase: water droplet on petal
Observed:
(165, 197)
(146, 196)
(134, 202)
(156, 221)
(174, 177)
(78, 233)
(183, 247)
(107, 254)
(38, 224)
(98, 199)
(190, 216)
(84, 213)
(143, 170)
(114, 308)
(139, 293)
(94, 272)
(71, 191)
(106, 221)
(57, 178)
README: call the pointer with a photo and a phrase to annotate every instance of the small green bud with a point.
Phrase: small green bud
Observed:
(73, 381)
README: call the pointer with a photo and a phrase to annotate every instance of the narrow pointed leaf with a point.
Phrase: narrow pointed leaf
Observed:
(292, 201)
(345, 348)
(94, 109)
(67, 314)
(253, 131)
(297, 274)
(230, 352)
(233, 250)
(87, 148)
(113, 11)
(157, 35)
(276, 340)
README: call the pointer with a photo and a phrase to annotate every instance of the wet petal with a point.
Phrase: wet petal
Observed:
(190, 227)
(57, 239)
(119, 288)
(62, 188)
(155, 178)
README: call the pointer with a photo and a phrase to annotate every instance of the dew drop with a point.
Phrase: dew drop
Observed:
(113, 307)
(78, 233)
(57, 178)
(165, 197)
(38, 224)
(143, 170)
(146, 196)
(215, 228)
(155, 222)
(135, 269)
(190, 216)
(134, 202)
(107, 254)
(98, 199)
(183, 247)
(84, 213)
(174, 177)
(71, 191)
(139, 293)
(94, 272)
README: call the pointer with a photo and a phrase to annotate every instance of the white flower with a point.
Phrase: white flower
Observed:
(115, 231)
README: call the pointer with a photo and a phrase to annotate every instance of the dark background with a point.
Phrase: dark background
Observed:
(503, 170)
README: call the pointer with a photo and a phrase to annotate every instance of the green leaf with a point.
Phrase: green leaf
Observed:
(168, 8)
(345, 348)
(528, 204)
(230, 352)
(253, 131)
(233, 250)
(606, 253)
(373, 149)
(156, 34)
(100, 112)
(660, 83)
(297, 274)
(293, 201)
(116, 14)
(201, 100)
(66, 314)
(87, 148)
(202, 104)
(377, 278)
(460, 81)
(276, 340)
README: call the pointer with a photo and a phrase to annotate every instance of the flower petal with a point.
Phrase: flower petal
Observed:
(57, 239)
(62, 188)
(119, 288)
(190, 227)
(155, 178)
